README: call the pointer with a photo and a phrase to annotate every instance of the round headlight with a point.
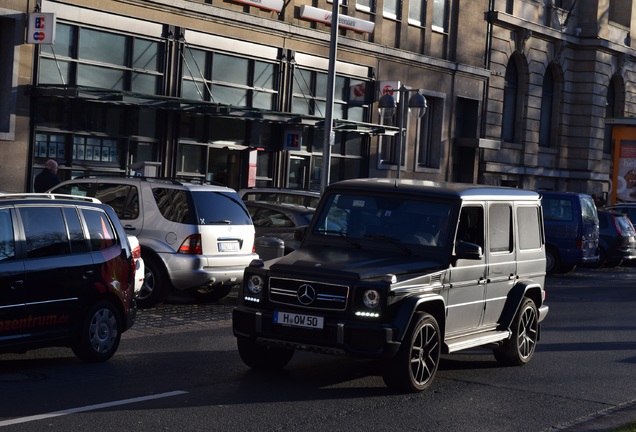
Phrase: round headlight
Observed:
(371, 298)
(255, 284)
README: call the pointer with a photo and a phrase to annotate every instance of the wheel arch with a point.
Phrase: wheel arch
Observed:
(530, 289)
(433, 304)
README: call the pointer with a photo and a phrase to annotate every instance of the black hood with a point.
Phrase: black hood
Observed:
(350, 263)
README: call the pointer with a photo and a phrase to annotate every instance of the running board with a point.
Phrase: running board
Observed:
(474, 340)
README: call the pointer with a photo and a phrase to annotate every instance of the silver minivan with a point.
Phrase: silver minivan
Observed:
(194, 237)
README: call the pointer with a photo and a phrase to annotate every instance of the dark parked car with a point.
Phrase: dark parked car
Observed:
(290, 196)
(617, 241)
(571, 230)
(628, 208)
(279, 220)
(402, 271)
(66, 275)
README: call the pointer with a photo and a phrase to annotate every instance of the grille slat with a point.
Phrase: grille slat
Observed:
(324, 296)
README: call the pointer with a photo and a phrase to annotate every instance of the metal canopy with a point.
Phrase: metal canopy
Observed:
(213, 109)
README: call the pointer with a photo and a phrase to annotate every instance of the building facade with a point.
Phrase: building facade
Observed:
(235, 91)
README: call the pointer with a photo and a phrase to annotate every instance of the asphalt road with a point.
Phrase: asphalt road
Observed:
(178, 369)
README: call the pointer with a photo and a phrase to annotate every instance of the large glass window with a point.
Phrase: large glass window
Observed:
(102, 59)
(548, 99)
(416, 12)
(228, 79)
(365, 5)
(440, 15)
(391, 9)
(510, 103)
(310, 95)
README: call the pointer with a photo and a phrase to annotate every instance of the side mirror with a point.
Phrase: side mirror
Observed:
(466, 250)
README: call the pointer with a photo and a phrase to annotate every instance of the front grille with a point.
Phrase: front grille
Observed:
(308, 294)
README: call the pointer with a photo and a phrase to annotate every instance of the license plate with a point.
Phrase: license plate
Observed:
(298, 320)
(231, 246)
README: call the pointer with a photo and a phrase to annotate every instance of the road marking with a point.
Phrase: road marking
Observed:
(89, 408)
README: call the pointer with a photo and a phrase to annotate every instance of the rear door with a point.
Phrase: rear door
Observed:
(502, 260)
(13, 316)
(55, 276)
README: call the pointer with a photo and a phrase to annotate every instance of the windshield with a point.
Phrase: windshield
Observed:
(396, 220)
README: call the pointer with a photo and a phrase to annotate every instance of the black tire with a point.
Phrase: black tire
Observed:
(212, 294)
(566, 268)
(156, 286)
(263, 357)
(602, 256)
(552, 261)
(414, 366)
(100, 333)
(518, 350)
(613, 263)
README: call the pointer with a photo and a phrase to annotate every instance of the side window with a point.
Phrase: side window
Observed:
(471, 225)
(100, 230)
(529, 228)
(78, 240)
(271, 218)
(7, 243)
(173, 204)
(124, 199)
(78, 189)
(500, 228)
(555, 209)
(45, 231)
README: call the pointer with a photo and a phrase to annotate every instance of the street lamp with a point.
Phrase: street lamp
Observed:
(387, 107)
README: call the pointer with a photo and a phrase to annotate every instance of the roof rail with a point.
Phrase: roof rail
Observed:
(51, 196)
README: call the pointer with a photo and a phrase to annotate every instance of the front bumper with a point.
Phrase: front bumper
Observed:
(338, 336)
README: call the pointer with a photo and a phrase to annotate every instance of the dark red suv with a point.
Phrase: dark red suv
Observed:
(66, 275)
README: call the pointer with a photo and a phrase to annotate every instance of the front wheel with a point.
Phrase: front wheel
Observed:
(156, 285)
(414, 366)
(100, 334)
(518, 350)
(263, 357)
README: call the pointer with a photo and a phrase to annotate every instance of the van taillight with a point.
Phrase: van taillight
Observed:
(136, 253)
(192, 245)
(579, 244)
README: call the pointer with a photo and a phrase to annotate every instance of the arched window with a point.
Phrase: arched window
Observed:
(510, 103)
(547, 104)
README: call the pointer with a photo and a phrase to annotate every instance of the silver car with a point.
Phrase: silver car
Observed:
(194, 237)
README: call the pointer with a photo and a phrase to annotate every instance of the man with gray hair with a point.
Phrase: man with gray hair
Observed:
(47, 178)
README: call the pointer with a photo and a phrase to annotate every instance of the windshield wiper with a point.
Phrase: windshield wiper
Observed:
(341, 234)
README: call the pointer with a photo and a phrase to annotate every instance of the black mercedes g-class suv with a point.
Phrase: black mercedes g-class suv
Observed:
(402, 270)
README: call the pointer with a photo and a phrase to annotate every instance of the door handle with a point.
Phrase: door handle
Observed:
(16, 284)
